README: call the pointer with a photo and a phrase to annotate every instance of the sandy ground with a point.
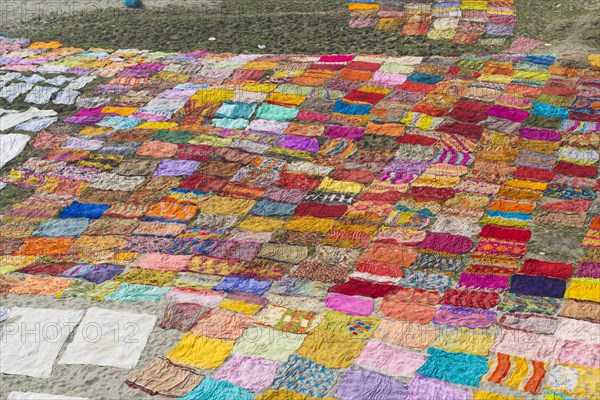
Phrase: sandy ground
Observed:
(20, 11)
(94, 382)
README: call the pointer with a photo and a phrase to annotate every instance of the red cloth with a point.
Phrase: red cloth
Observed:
(571, 169)
(363, 66)
(47, 269)
(355, 287)
(546, 268)
(426, 192)
(506, 233)
(203, 183)
(417, 139)
(364, 97)
(535, 174)
(410, 86)
(469, 111)
(195, 152)
(298, 181)
(471, 299)
(353, 175)
(471, 131)
(385, 197)
(320, 210)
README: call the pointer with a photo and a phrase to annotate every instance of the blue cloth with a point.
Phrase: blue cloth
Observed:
(457, 368)
(351, 109)
(425, 78)
(212, 389)
(232, 283)
(83, 210)
(62, 228)
(547, 110)
(537, 286)
(510, 215)
(267, 208)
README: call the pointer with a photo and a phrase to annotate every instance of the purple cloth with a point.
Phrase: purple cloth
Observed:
(465, 317)
(540, 134)
(94, 273)
(511, 114)
(422, 388)
(344, 132)
(538, 286)
(232, 283)
(362, 384)
(176, 168)
(299, 143)
(483, 281)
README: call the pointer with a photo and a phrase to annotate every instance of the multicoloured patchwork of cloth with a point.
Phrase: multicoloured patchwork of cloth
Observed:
(325, 226)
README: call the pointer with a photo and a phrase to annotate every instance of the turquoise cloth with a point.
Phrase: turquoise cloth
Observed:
(235, 110)
(212, 389)
(237, 123)
(276, 113)
(130, 292)
(457, 368)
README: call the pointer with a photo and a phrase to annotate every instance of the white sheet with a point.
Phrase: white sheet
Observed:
(40, 396)
(110, 338)
(32, 338)
(11, 145)
(10, 120)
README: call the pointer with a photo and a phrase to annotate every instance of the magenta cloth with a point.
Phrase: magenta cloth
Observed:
(465, 317)
(176, 168)
(349, 304)
(446, 243)
(299, 143)
(337, 58)
(483, 281)
(344, 132)
(511, 114)
(540, 134)
(421, 388)
(588, 270)
(362, 384)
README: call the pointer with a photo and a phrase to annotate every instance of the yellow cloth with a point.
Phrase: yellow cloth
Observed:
(584, 289)
(331, 185)
(239, 306)
(261, 224)
(226, 205)
(200, 351)
(330, 350)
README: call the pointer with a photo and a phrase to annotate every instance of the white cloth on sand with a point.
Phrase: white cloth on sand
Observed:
(111, 338)
(32, 339)
(11, 145)
(10, 120)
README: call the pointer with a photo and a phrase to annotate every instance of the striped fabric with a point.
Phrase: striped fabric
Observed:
(516, 372)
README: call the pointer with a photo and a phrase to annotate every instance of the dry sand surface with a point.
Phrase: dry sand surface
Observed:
(91, 381)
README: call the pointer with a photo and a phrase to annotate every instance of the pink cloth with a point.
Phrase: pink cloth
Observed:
(248, 372)
(523, 45)
(380, 357)
(528, 345)
(165, 262)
